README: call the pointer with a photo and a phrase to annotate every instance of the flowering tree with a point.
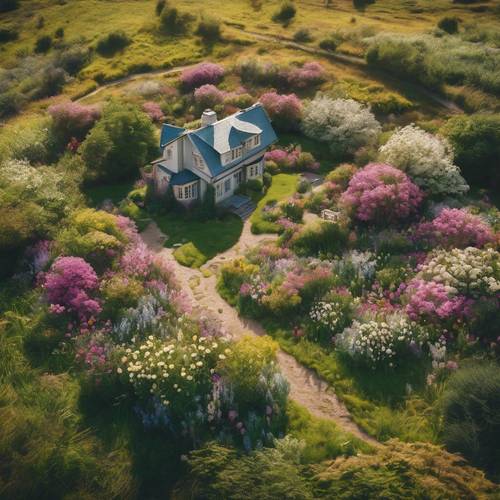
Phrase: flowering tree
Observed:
(201, 74)
(344, 123)
(381, 193)
(208, 96)
(68, 284)
(456, 228)
(309, 75)
(284, 110)
(427, 159)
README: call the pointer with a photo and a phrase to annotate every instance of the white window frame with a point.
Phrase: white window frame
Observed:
(256, 140)
(227, 184)
(169, 153)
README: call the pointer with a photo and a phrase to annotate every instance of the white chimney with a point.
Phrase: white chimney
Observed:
(209, 117)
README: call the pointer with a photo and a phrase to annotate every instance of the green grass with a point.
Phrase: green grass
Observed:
(283, 186)
(205, 239)
(114, 192)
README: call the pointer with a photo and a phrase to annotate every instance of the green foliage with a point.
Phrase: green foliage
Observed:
(329, 44)
(285, 13)
(471, 413)
(448, 24)
(476, 144)
(399, 470)
(302, 35)
(160, 5)
(8, 5)
(112, 43)
(121, 142)
(342, 175)
(188, 255)
(209, 30)
(321, 239)
(217, 472)
(8, 35)
(174, 22)
(231, 277)
(43, 44)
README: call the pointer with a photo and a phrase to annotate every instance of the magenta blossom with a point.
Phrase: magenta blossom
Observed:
(153, 110)
(208, 96)
(381, 193)
(201, 74)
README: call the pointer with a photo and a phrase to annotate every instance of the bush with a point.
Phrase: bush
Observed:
(43, 44)
(11, 102)
(380, 194)
(471, 415)
(361, 4)
(73, 59)
(59, 33)
(284, 110)
(208, 96)
(329, 44)
(202, 74)
(8, 5)
(427, 159)
(321, 239)
(448, 24)
(476, 142)
(302, 35)
(285, 13)
(174, 22)
(121, 142)
(112, 43)
(188, 255)
(341, 175)
(209, 30)
(160, 5)
(8, 35)
(344, 124)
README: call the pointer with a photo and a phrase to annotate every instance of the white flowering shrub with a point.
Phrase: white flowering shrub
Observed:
(344, 123)
(177, 372)
(380, 343)
(427, 159)
(470, 271)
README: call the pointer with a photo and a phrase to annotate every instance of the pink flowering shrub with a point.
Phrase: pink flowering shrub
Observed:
(456, 228)
(284, 110)
(309, 75)
(67, 286)
(291, 158)
(70, 119)
(381, 193)
(202, 74)
(137, 260)
(153, 110)
(433, 301)
(208, 96)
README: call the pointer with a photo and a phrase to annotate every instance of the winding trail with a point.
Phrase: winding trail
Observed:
(289, 43)
(306, 388)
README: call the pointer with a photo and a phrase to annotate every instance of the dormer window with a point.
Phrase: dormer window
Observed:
(236, 153)
(198, 161)
(256, 140)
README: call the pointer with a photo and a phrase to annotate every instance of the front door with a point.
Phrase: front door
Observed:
(238, 177)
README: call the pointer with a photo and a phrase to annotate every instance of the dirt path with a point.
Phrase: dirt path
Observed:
(306, 388)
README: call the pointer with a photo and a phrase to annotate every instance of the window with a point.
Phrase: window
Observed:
(169, 153)
(256, 140)
(238, 177)
(198, 162)
(218, 189)
(236, 153)
(227, 185)
(179, 193)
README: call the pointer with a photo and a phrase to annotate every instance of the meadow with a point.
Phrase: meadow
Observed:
(354, 357)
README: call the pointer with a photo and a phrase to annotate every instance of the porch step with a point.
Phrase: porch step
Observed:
(244, 211)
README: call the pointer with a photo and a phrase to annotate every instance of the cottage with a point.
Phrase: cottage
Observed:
(222, 153)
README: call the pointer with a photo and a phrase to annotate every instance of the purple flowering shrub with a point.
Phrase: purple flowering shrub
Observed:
(380, 193)
(202, 74)
(71, 119)
(455, 228)
(285, 111)
(208, 96)
(153, 110)
(291, 158)
(309, 75)
(70, 286)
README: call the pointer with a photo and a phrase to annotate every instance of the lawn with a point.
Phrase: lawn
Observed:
(283, 186)
(201, 240)
(114, 192)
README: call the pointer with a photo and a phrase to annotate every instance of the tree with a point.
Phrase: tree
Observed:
(207, 209)
(121, 142)
(427, 159)
(43, 44)
(285, 13)
(343, 123)
(448, 24)
(174, 22)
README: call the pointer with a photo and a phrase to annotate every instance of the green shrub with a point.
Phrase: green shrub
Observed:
(8, 5)
(160, 5)
(43, 44)
(476, 143)
(448, 24)
(73, 59)
(285, 13)
(59, 33)
(112, 43)
(8, 35)
(174, 22)
(254, 185)
(188, 255)
(471, 415)
(341, 175)
(209, 30)
(322, 238)
(302, 35)
(267, 179)
(328, 44)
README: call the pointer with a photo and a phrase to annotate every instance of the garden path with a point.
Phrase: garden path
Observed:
(306, 388)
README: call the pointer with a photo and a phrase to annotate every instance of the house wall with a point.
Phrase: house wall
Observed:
(188, 160)
(173, 161)
(187, 194)
(161, 180)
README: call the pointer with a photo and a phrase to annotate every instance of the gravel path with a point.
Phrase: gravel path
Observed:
(306, 388)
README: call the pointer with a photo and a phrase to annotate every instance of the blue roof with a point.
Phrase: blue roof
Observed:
(203, 139)
(169, 133)
(183, 177)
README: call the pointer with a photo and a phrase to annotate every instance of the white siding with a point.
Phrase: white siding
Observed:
(172, 155)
